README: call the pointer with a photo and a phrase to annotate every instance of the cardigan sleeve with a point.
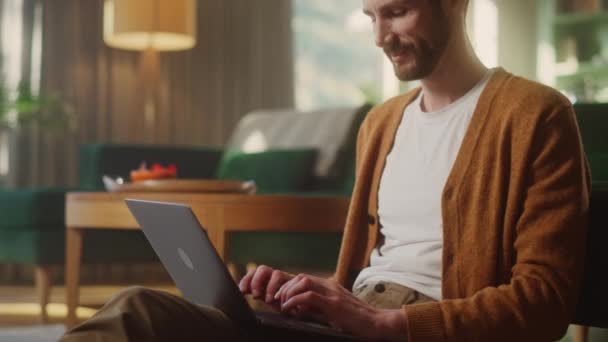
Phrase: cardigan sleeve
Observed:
(539, 301)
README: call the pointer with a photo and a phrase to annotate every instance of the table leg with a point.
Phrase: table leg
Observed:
(43, 289)
(72, 272)
(581, 333)
(221, 240)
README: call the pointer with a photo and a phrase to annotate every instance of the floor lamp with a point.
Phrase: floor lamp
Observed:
(150, 26)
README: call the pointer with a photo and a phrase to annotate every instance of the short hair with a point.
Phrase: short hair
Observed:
(437, 5)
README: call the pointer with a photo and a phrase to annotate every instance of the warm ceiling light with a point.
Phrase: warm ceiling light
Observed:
(163, 25)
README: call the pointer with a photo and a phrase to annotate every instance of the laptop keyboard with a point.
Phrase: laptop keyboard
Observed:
(278, 319)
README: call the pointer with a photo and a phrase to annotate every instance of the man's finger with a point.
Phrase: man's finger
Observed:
(281, 290)
(320, 307)
(277, 295)
(260, 280)
(245, 283)
(276, 281)
(305, 284)
(285, 288)
(310, 301)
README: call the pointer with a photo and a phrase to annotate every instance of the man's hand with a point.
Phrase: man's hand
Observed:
(329, 302)
(263, 283)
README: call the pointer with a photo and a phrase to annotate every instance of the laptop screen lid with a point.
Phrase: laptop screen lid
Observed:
(185, 250)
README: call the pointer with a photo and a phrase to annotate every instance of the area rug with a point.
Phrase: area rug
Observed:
(37, 333)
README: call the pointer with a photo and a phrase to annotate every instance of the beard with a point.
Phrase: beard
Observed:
(424, 54)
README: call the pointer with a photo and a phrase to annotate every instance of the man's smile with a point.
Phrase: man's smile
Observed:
(398, 54)
(399, 57)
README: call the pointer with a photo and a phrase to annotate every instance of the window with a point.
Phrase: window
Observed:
(336, 60)
(338, 63)
(10, 68)
(13, 43)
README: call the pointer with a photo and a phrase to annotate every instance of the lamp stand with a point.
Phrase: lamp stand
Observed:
(150, 82)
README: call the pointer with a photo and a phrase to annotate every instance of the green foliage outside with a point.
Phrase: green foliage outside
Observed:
(335, 65)
(49, 111)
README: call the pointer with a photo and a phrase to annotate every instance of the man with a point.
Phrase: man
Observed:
(467, 219)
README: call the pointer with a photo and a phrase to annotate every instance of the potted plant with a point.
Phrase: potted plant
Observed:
(47, 110)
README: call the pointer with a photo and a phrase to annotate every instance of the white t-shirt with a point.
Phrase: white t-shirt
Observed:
(409, 198)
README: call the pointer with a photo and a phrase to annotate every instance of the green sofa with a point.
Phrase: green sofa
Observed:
(592, 309)
(32, 230)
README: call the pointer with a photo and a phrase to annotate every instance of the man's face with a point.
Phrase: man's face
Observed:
(413, 34)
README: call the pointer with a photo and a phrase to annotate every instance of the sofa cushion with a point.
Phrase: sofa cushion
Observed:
(342, 171)
(273, 171)
(317, 251)
(38, 208)
(598, 162)
(28, 246)
(592, 308)
(593, 123)
(325, 130)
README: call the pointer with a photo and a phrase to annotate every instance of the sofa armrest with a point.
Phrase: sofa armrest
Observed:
(97, 160)
(33, 208)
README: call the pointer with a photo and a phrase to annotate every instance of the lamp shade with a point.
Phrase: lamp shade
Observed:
(164, 25)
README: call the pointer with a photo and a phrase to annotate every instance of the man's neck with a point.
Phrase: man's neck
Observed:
(456, 73)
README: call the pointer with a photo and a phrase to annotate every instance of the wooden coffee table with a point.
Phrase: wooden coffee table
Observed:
(220, 214)
(209, 186)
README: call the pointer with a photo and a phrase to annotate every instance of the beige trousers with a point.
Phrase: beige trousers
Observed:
(139, 314)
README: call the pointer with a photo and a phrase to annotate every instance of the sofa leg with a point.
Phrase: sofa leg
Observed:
(43, 289)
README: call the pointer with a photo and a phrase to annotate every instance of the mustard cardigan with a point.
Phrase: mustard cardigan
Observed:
(514, 211)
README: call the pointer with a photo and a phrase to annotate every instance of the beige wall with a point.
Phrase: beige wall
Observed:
(516, 40)
(517, 36)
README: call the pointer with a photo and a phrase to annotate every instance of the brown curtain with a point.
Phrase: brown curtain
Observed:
(242, 61)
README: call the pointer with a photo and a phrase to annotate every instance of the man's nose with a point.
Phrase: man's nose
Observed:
(382, 33)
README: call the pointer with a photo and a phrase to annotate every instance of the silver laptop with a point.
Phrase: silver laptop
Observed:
(185, 250)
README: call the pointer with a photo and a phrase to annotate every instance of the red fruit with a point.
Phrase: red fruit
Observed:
(156, 172)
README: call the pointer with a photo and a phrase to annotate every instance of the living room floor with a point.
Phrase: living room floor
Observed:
(18, 303)
(19, 313)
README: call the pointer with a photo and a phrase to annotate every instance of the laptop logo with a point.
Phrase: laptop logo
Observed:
(185, 258)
